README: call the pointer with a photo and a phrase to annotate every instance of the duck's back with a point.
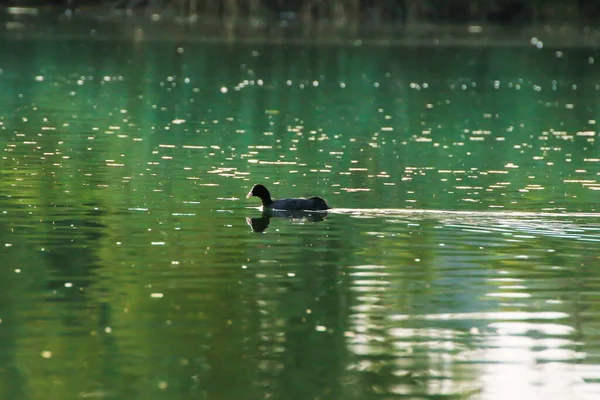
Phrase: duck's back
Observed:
(313, 203)
(319, 203)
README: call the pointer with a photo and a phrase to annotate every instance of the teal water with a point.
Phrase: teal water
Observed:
(460, 259)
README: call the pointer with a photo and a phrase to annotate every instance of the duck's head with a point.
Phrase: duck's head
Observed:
(259, 191)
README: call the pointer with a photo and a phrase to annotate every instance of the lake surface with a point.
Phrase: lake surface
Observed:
(461, 259)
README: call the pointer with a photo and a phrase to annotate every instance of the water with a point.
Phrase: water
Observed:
(460, 260)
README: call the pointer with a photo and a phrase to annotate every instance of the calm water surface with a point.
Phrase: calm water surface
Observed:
(461, 260)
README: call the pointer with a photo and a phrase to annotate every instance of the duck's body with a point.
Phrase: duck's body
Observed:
(312, 203)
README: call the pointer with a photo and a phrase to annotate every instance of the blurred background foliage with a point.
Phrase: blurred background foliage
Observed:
(352, 16)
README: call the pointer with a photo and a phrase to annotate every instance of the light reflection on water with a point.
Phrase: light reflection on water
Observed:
(441, 308)
(518, 332)
(459, 260)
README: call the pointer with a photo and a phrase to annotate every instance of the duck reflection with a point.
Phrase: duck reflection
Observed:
(261, 223)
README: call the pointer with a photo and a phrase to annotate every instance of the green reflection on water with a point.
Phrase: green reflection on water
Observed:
(468, 131)
(129, 270)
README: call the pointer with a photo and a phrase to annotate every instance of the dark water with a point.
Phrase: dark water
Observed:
(461, 259)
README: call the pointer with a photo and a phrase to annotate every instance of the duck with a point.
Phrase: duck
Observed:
(310, 204)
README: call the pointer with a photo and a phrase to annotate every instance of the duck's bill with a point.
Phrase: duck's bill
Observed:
(249, 194)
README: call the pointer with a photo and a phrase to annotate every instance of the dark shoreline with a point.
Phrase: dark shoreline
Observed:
(101, 23)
